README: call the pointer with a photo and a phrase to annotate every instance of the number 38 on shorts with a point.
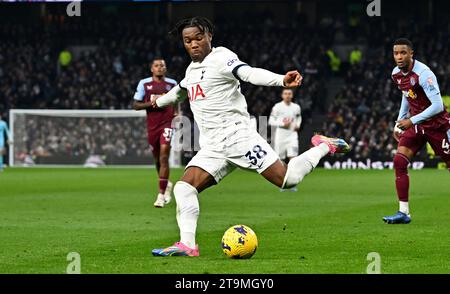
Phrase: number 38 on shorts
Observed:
(256, 154)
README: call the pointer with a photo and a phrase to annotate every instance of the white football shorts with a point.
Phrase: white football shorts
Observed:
(245, 149)
(286, 148)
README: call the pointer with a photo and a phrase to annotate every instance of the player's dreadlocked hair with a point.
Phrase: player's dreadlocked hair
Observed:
(404, 41)
(202, 23)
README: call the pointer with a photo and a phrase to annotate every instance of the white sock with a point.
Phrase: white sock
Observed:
(188, 210)
(404, 207)
(303, 164)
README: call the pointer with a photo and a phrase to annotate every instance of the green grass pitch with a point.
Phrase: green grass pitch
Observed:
(329, 226)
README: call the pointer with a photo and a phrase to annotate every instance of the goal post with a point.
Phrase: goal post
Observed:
(89, 138)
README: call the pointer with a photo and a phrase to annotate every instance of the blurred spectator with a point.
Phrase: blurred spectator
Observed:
(355, 56)
(65, 57)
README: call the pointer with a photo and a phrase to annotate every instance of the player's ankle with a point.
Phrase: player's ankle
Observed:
(404, 207)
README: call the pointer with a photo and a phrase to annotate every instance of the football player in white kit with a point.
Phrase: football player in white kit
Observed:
(286, 117)
(227, 139)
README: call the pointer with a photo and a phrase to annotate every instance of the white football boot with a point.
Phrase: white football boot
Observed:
(159, 203)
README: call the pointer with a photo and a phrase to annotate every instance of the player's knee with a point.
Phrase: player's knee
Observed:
(164, 160)
(401, 162)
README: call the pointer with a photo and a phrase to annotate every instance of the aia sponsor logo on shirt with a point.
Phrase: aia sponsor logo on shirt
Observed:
(196, 92)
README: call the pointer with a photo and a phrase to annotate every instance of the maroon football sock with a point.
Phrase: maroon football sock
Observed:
(401, 176)
(162, 185)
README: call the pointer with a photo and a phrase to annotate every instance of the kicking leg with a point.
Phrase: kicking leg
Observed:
(288, 176)
(299, 166)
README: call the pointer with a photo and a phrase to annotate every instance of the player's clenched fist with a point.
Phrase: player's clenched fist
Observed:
(292, 79)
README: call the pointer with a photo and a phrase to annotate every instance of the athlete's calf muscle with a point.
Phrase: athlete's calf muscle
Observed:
(275, 173)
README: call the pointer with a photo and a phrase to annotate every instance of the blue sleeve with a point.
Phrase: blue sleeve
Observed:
(4, 128)
(404, 108)
(140, 92)
(429, 84)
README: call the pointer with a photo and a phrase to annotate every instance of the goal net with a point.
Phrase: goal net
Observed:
(88, 138)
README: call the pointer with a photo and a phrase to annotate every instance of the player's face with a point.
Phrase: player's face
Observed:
(403, 56)
(197, 44)
(287, 96)
(158, 68)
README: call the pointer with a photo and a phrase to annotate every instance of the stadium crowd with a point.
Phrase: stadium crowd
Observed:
(74, 139)
(106, 73)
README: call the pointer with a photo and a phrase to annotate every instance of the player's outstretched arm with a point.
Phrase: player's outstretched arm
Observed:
(176, 94)
(263, 77)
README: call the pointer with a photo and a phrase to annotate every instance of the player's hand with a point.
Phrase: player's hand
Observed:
(292, 79)
(397, 133)
(404, 124)
(153, 101)
(286, 123)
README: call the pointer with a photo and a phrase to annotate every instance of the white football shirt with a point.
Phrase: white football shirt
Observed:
(283, 112)
(215, 96)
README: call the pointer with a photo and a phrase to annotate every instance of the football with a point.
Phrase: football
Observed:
(239, 242)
